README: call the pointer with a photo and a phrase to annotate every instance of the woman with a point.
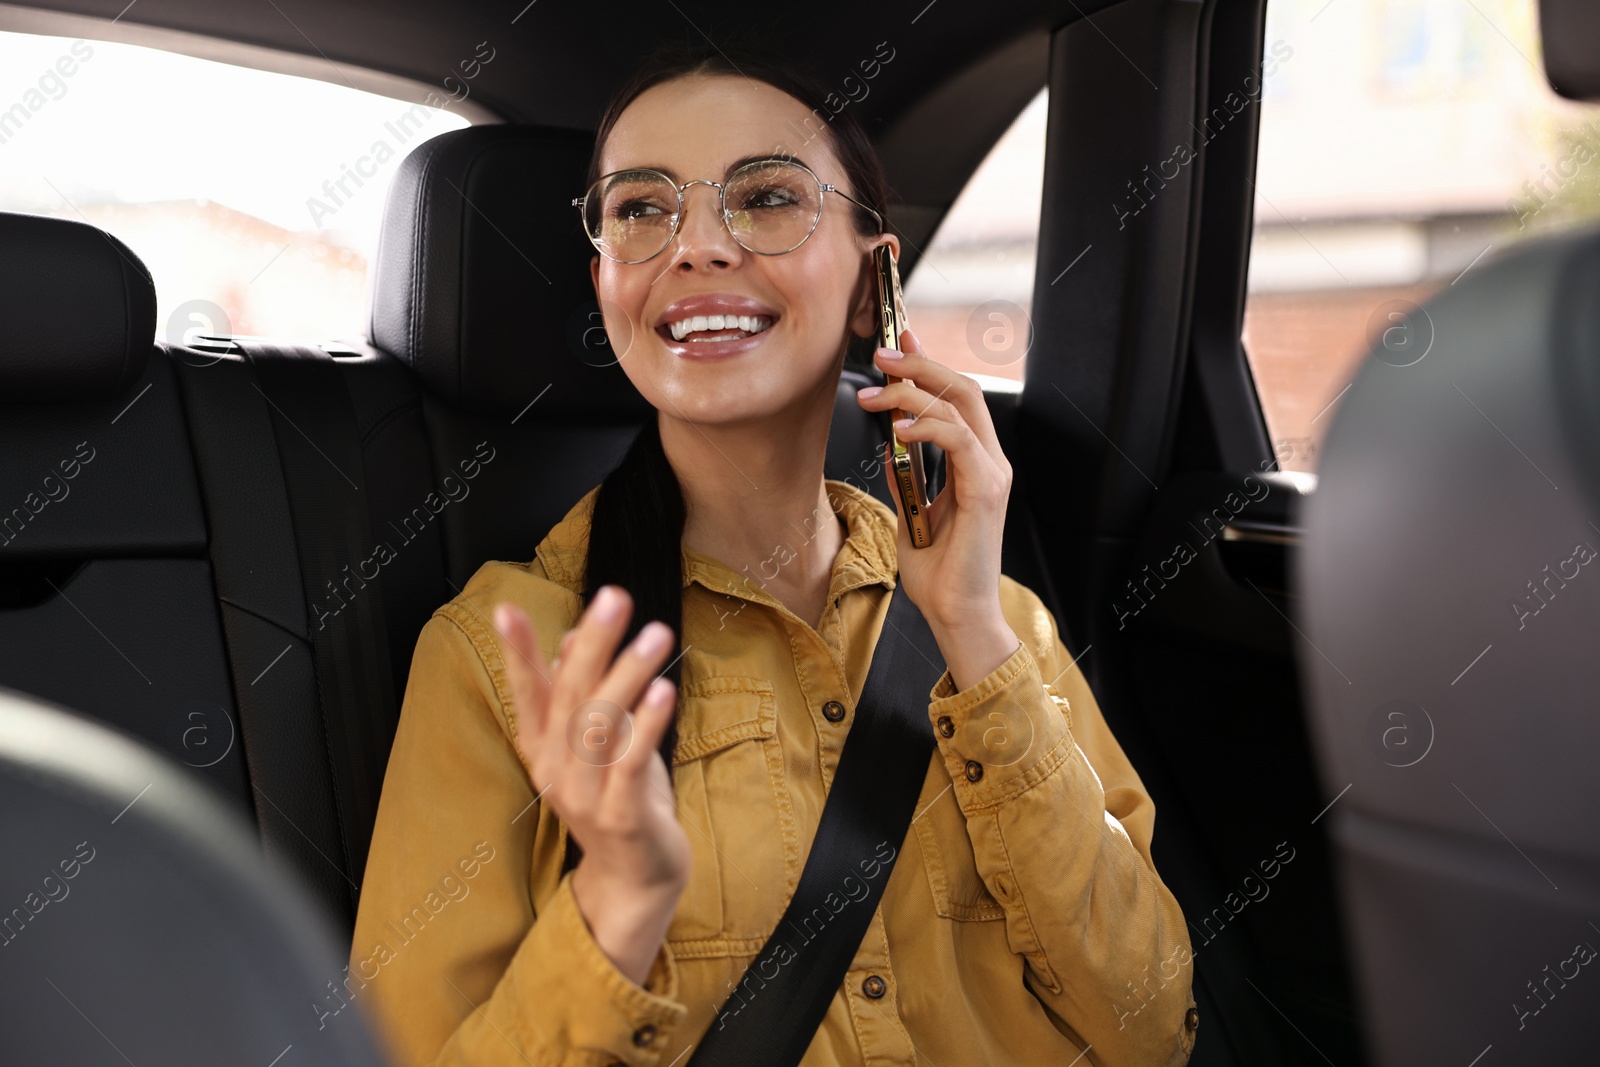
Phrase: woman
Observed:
(573, 863)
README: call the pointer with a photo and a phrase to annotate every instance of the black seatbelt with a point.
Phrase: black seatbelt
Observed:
(774, 1011)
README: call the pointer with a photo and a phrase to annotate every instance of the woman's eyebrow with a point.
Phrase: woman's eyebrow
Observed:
(735, 165)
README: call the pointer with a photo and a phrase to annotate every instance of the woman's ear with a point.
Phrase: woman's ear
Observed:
(594, 275)
(864, 311)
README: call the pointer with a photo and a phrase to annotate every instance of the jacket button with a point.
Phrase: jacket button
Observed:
(874, 987)
(1191, 1020)
(833, 711)
(644, 1035)
(974, 770)
(946, 727)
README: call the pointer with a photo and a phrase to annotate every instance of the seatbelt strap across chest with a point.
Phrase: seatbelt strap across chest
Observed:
(774, 1011)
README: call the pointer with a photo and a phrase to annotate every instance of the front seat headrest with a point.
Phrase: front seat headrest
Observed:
(140, 913)
(78, 311)
(1569, 31)
(1449, 582)
(482, 283)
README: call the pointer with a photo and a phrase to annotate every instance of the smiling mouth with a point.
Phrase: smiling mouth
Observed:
(700, 328)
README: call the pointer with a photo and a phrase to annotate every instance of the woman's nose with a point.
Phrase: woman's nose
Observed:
(702, 237)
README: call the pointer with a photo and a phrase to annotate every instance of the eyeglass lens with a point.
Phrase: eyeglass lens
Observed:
(772, 208)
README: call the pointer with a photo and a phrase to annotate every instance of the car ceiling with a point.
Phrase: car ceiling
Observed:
(958, 76)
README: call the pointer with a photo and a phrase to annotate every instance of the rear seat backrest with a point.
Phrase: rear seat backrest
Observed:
(150, 568)
(483, 290)
(106, 596)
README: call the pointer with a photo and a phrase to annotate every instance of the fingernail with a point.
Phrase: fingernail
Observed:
(652, 639)
(501, 619)
(889, 353)
(607, 604)
(901, 424)
(869, 392)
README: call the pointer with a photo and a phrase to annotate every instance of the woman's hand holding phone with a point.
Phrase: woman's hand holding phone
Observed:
(599, 767)
(954, 581)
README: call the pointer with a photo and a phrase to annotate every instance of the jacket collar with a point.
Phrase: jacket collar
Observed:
(868, 555)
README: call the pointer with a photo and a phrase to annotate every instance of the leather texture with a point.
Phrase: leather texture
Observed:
(79, 310)
(145, 919)
(482, 283)
(1458, 506)
(100, 476)
(1569, 31)
(255, 557)
(320, 452)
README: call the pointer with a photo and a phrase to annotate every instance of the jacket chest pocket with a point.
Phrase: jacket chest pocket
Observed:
(727, 774)
(952, 866)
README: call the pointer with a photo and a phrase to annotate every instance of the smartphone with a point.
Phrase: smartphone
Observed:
(907, 463)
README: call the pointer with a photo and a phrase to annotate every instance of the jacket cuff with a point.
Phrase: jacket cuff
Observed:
(1002, 734)
(607, 1013)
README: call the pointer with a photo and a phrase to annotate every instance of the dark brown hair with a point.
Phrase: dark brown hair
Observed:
(636, 532)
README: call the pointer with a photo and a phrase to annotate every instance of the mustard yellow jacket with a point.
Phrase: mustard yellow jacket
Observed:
(1023, 922)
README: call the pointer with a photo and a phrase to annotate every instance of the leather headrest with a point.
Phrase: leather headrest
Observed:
(77, 311)
(482, 284)
(1570, 33)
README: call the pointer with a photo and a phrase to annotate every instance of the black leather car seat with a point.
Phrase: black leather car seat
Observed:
(107, 603)
(1451, 605)
(140, 921)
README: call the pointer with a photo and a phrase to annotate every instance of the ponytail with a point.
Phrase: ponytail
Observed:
(635, 541)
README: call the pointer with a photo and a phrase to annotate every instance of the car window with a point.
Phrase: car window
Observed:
(254, 198)
(1403, 143)
(968, 296)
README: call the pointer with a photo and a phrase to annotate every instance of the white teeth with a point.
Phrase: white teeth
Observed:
(748, 323)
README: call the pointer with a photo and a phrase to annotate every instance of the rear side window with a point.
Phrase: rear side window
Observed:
(1403, 143)
(255, 199)
(969, 294)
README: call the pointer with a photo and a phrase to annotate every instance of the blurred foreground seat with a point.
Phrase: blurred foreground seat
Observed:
(140, 922)
(1450, 595)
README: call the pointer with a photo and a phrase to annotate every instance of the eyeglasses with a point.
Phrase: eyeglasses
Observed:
(770, 206)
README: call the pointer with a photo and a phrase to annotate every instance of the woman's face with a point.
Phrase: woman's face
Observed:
(814, 296)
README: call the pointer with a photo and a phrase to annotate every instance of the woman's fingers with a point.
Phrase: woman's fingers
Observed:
(650, 720)
(935, 379)
(578, 717)
(612, 729)
(967, 461)
(954, 438)
(636, 665)
(920, 403)
(973, 452)
(594, 643)
(561, 649)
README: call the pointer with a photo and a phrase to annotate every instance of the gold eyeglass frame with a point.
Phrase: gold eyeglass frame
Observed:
(581, 203)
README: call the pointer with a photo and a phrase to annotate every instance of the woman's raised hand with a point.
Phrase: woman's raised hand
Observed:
(955, 581)
(597, 764)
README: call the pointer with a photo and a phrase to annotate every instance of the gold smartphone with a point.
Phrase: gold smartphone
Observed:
(906, 458)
